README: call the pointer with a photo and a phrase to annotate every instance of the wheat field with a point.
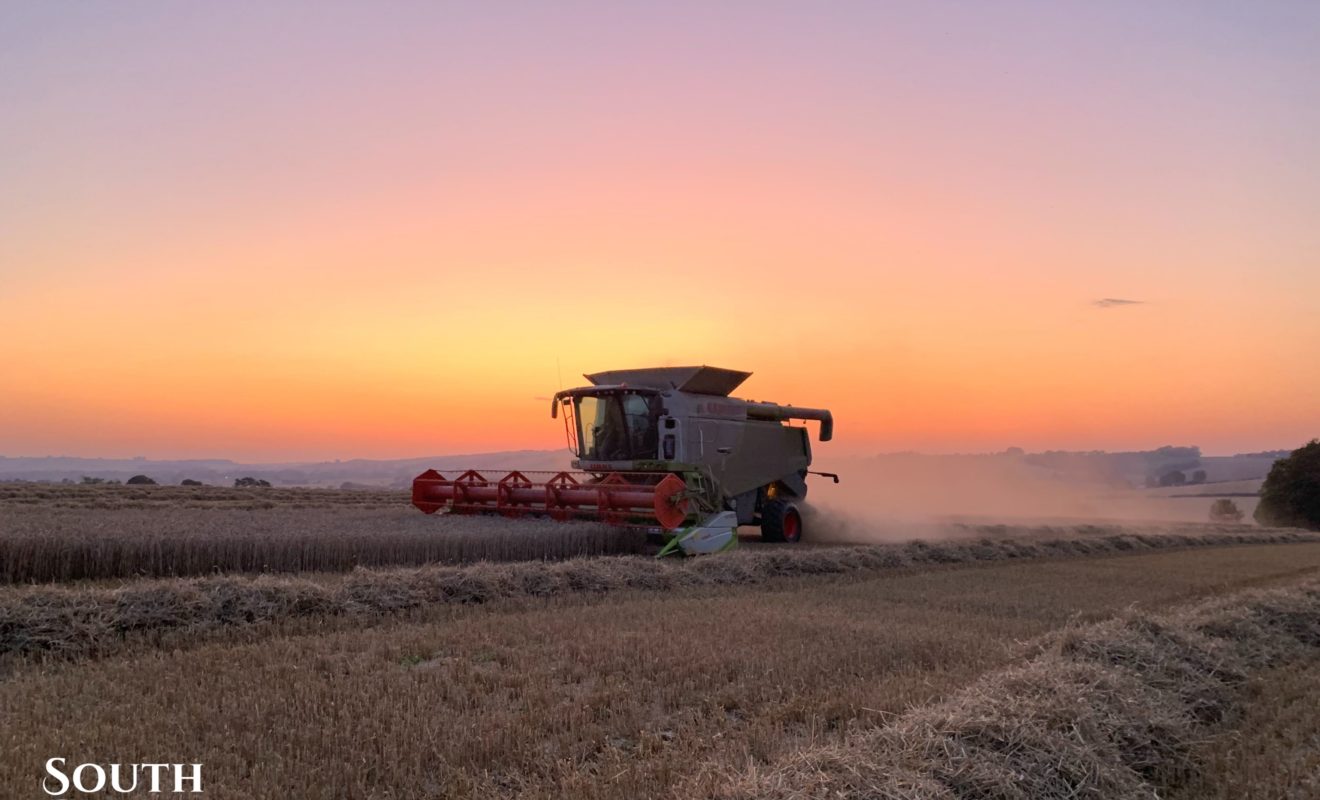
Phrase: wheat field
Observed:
(67, 533)
(60, 533)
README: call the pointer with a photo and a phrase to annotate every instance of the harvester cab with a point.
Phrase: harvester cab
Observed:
(665, 448)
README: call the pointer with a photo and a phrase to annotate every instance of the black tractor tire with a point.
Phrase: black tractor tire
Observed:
(781, 521)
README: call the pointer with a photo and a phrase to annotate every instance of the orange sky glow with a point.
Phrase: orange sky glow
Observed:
(237, 231)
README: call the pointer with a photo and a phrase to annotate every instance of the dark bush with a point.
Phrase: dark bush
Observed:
(141, 480)
(1225, 510)
(1291, 493)
(190, 482)
(250, 481)
(1198, 476)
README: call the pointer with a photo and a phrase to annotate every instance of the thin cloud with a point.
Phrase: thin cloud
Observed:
(1114, 302)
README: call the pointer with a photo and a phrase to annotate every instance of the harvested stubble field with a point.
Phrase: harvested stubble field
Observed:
(702, 690)
(1273, 751)
(76, 621)
(1112, 710)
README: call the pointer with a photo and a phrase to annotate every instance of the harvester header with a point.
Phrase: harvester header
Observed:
(665, 448)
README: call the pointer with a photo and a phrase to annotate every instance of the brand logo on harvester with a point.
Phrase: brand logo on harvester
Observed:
(63, 781)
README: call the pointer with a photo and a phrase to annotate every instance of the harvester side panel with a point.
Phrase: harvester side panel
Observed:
(748, 454)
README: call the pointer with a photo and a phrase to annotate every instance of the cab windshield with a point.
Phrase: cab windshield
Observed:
(617, 426)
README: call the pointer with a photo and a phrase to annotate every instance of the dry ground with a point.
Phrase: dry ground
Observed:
(629, 695)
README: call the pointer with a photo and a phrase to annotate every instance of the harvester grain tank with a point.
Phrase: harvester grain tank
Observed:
(666, 448)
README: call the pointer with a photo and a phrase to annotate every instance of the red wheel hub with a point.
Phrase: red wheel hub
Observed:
(792, 527)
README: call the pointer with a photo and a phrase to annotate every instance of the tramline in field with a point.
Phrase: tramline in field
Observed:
(665, 448)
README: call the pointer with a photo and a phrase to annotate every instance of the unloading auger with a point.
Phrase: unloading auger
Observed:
(666, 449)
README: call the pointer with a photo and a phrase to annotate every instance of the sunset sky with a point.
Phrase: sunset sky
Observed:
(280, 231)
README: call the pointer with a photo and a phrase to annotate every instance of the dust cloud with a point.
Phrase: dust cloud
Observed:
(912, 496)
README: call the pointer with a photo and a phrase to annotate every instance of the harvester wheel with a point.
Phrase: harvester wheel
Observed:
(780, 522)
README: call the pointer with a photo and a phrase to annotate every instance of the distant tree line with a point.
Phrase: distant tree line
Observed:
(1175, 477)
(146, 480)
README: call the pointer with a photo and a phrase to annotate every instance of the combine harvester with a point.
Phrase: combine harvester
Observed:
(666, 449)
